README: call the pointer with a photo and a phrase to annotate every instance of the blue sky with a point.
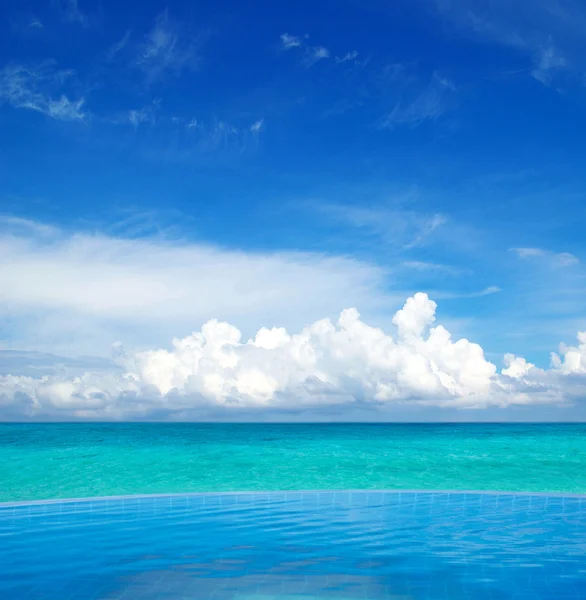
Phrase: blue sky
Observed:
(283, 161)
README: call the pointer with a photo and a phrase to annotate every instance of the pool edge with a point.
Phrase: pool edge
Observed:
(270, 492)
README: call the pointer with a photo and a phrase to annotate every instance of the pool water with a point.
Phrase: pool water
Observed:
(296, 546)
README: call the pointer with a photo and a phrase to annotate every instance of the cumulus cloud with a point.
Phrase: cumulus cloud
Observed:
(341, 364)
(76, 293)
(573, 358)
(38, 88)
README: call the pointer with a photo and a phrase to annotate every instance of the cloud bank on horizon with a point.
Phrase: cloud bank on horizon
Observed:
(343, 364)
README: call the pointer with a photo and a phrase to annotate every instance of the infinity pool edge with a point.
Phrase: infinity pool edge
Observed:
(271, 492)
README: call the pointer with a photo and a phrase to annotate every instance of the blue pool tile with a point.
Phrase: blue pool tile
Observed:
(296, 546)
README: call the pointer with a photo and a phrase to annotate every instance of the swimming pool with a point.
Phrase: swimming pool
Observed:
(296, 546)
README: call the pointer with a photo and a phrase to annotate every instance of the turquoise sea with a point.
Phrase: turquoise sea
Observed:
(41, 461)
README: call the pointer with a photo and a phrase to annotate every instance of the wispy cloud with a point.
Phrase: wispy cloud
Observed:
(213, 139)
(430, 267)
(38, 89)
(168, 49)
(427, 105)
(71, 13)
(426, 227)
(488, 291)
(39, 364)
(548, 60)
(136, 117)
(210, 139)
(119, 45)
(398, 227)
(110, 283)
(315, 54)
(349, 56)
(221, 132)
(311, 54)
(289, 41)
(549, 32)
(22, 226)
(257, 126)
(561, 259)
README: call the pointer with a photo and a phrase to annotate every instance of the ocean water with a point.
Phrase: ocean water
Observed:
(44, 461)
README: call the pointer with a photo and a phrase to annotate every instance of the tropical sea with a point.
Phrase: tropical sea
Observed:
(74, 460)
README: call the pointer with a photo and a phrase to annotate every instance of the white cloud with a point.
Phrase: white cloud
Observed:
(398, 227)
(34, 88)
(426, 105)
(167, 49)
(70, 12)
(349, 56)
(311, 54)
(76, 293)
(220, 132)
(136, 116)
(314, 54)
(144, 115)
(516, 366)
(573, 358)
(289, 41)
(549, 32)
(491, 289)
(529, 252)
(343, 365)
(257, 126)
(418, 265)
(548, 60)
(19, 225)
(565, 259)
(222, 135)
(40, 364)
(487, 291)
(118, 46)
(559, 259)
(64, 109)
(203, 140)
